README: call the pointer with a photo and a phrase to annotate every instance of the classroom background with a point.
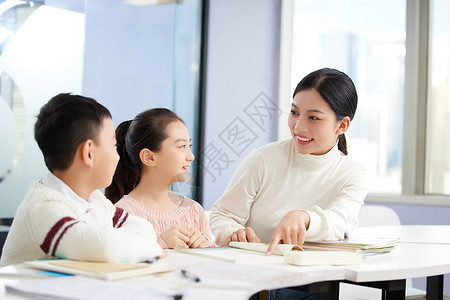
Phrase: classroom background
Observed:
(228, 68)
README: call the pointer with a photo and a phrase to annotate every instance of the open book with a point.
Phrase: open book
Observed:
(102, 270)
(262, 247)
(232, 255)
(240, 252)
(296, 255)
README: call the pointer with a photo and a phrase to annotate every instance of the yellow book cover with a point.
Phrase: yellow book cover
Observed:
(103, 270)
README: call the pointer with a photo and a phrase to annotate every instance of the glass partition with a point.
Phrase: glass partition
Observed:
(128, 57)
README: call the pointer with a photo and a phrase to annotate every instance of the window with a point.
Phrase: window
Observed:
(438, 145)
(350, 37)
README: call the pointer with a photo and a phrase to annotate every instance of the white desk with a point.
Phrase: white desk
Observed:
(237, 281)
(434, 235)
(429, 234)
(220, 280)
(406, 261)
(389, 272)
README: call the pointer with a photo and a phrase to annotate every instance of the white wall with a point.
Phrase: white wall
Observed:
(242, 72)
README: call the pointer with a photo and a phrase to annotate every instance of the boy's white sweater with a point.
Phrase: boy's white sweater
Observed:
(48, 224)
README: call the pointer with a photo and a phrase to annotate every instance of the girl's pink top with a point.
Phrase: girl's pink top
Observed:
(189, 214)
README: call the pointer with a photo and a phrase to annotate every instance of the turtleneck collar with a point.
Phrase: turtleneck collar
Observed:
(315, 163)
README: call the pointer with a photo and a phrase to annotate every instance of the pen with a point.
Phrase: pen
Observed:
(150, 261)
(190, 276)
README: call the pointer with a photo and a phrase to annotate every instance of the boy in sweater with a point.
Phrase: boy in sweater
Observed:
(64, 215)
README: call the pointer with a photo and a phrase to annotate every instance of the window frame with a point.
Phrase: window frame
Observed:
(416, 92)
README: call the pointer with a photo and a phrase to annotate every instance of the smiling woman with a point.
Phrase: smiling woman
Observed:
(303, 188)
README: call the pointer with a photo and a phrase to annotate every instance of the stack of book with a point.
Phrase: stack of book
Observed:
(364, 246)
(349, 251)
(346, 252)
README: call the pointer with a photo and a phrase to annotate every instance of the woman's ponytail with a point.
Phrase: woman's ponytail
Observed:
(126, 176)
(342, 144)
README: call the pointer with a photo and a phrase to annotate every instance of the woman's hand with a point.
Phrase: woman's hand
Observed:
(176, 236)
(243, 235)
(291, 230)
(197, 239)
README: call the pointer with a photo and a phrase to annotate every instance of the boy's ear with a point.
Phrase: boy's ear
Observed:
(343, 125)
(86, 154)
(147, 157)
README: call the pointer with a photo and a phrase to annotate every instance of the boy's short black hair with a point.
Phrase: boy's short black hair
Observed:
(65, 122)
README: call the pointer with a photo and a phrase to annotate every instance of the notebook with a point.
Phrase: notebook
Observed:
(102, 270)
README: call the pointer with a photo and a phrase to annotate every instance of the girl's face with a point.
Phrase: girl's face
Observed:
(313, 123)
(175, 155)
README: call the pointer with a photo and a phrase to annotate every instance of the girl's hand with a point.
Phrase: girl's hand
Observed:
(197, 239)
(176, 236)
(291, 230)
(163, 254)
(243, 235)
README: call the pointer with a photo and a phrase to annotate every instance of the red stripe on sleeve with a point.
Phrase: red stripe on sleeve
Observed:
(45, 246)
(117, 215)
(60, 237)
(123, 220)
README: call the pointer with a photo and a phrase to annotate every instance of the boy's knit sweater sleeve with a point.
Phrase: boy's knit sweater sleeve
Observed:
(104, 233)
(111, 235)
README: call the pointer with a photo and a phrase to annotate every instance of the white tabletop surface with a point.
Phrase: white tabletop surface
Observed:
(221, 280)
(406, 261)
(432, 234)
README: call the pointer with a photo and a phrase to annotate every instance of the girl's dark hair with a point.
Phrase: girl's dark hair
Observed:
(338, 90)
(147, 130)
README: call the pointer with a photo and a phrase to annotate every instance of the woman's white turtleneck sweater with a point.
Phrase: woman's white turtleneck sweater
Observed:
(275, 179)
